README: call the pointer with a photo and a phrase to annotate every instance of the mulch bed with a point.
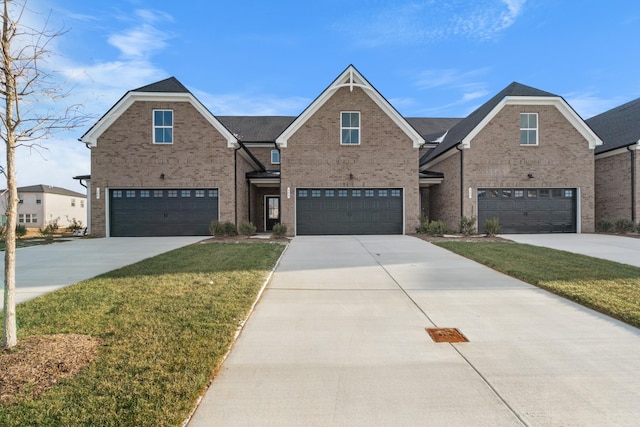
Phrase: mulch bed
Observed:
(460, 238)
(38, 363)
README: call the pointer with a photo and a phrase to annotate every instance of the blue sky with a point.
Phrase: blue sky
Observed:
(428, 58)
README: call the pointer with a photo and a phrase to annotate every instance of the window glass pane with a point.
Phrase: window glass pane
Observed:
(159, 135)
(316, 193)
(532, 194)
(493, 194)
(556, 193)
(130, 193)
(395, 193)
(199, 193)
(328, 193)
(568, 193)
(482, 194)
(346, 136)
(172, 193)
(213, 193)
(117, 194)
(342, 193)
(382, 193)
(302, 193)
(157, 118)
(167, 118)
(533, 120)
(144, 193)
(157, 193)
(356, 193)
(518, 193)
(544, 193)
(369, 193)
(275, 156)
(506, 194)
(186, 193)
(346, 122)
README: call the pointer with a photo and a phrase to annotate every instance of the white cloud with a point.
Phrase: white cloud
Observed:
(587, 104)
(427, 21)
(251, 105)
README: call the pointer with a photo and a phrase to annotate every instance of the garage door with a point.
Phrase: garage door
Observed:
(349, 211)
(532, 210)
(153, 212)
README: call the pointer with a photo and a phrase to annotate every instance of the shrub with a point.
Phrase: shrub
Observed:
(74, 224)
(50, 229)
(433, 228)
(468, 225)
(624, 226)
(492, 227)
(279, 231)
(247, 229)
(222, 229)
(424, 224)
(604, 226)
(21, 231)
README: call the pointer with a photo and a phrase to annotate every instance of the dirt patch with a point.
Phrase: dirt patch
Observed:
(38, 363)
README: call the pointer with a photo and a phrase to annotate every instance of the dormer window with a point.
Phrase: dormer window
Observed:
(163, 126)
(528, 128)
(350, 128)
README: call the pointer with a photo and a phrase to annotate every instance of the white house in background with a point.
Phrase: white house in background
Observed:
(41, 204)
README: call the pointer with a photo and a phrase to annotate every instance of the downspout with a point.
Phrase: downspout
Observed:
(461, 178)
(633, 186)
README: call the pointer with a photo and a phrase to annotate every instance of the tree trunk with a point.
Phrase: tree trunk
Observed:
(10, 334)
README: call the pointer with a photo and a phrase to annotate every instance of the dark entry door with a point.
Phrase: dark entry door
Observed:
(272, 212)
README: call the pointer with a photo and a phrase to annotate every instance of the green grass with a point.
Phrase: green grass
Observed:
(166, 323)
(605, 286)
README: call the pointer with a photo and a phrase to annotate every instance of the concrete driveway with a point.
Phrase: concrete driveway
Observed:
(339, 339)
(614, 248)
(43, 269)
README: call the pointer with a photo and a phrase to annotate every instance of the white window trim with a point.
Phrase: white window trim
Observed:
(537, 129)
(153, 133)
(272, 162)
(351, 128)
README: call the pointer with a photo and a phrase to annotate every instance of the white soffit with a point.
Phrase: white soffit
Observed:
(351, 79)
(91, 137)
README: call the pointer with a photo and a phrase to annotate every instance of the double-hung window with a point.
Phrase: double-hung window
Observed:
(163, 126)
(275, 157)
(528, 128)
(350, 128)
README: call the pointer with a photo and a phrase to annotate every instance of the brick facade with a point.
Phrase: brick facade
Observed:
(613, 186)
(385, 157)
(125, 157)
(496, 159)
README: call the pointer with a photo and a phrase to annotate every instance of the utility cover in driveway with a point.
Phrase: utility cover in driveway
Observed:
(529, 210)
(349, 211)
(155, 212)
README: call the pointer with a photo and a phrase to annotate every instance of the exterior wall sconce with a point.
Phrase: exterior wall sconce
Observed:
(530, 175)
(350, 176)
(162, 176)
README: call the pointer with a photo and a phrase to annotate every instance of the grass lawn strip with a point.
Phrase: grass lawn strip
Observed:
(608, 287)
(165, 324)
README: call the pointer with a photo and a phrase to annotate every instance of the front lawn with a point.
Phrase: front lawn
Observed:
(165, 323)
(606, 286)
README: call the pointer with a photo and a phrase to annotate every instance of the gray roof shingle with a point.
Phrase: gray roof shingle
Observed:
(41, 188)
(256, 128)
(618, 127)
(170, 85)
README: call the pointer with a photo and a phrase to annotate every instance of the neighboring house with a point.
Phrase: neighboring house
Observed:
(524, 157)
(617, 164)
(40, 205)
(162, 164)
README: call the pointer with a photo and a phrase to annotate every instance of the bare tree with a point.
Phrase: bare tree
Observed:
(30, 114)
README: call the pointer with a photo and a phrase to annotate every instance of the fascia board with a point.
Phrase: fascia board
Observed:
(562, 106)
(108, 119)
(356, 80)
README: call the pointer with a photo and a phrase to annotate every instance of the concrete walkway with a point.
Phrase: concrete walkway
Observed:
(339, 339)
(43, 269)
(621, 249)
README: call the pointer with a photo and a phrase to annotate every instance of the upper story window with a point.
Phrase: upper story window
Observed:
(275, 157)
(20, 198)
(38, 199)
(350, 127)
(528, 128)
(73, 203)
(162, 126)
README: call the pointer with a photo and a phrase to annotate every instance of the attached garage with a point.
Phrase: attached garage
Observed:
(321, 211)
(531, 210)
(162, 212)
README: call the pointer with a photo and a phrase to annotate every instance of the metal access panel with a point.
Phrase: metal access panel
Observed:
(330, 211)
(529, 210)
(162, 212)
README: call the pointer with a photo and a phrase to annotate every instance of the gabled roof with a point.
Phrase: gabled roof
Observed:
(351, 78)
(432, 128)
(618, 127)
(516, 93)
(41, 188)
(167, 90)
(256, 128)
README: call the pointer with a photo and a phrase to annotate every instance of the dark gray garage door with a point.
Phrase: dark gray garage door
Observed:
(531, 210)
(349, 211)
(152, 212)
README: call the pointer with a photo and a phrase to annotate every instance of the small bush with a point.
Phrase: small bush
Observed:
(604, 226)
(74, 224)
(424, 224)
(279, 231)
(50, 229)
(247, 229)
(433, 228)
(492, 227)
(21, 231)
(223, 229)
(468, 225)
(624, 226)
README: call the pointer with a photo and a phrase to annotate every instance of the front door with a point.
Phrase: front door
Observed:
(272, 212)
